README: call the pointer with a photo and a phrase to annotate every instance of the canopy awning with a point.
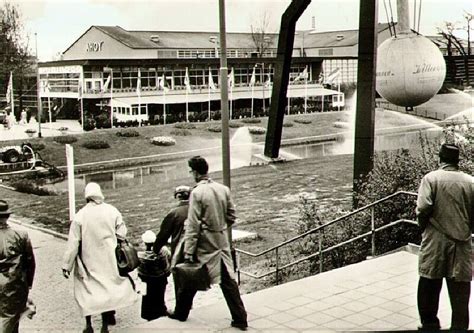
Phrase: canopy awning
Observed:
(259, 92)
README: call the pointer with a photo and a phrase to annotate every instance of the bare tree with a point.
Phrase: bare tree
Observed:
(261, 36)
(453, 42)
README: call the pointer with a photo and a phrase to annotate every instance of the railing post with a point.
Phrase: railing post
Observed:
(277, 266)
(320, 246)
(372, 227)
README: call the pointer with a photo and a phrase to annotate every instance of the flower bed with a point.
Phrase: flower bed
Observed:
(288, 124)
(303, 121)
(65, 139)
(214, 128)
(185, 126)
(257, 130)
(251, 120)
(128, 133)
(163, 141)
(96, 144)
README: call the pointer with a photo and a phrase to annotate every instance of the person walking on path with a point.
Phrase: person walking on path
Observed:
(444, 210)
(153, 270)
(211, 213)
(98, 287)
(17, 270)
(172, 227)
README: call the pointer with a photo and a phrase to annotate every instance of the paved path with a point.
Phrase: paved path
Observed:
(374, 295)
(17, 131)
(53, 294)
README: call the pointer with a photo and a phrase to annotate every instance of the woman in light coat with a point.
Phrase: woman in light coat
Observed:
(98, 287)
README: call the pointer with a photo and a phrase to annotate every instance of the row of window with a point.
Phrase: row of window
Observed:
(127, 78)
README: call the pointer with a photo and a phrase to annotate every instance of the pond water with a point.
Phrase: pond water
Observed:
(242, 154)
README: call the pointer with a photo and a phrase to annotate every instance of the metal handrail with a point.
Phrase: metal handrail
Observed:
(321, 251)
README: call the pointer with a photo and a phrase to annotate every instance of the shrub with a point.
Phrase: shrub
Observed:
(233, 124)
(251, 121)
(163, 141)
(128, 133)
(214, 128)
(257, 130)
(37, 146)
(288, 124)
(302, 121)
(185, 126)
(27, 186)
(181, 132)
(96, 144)
(65, 139)
(89, 124)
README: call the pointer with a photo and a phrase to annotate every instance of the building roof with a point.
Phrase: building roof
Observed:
(341, 38)
(137, 39)
(178, 39)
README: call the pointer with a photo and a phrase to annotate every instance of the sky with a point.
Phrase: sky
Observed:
(58, 23)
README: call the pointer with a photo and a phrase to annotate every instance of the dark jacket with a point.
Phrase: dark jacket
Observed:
(17, 269)
(172, 226)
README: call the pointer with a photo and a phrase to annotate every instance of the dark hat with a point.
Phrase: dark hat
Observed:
(449, 153)
(182, 190)
(4, 211)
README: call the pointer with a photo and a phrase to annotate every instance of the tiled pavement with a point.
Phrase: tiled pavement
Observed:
(375, 295)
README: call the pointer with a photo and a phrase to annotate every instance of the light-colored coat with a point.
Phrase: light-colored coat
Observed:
(211, 213)
(444, 209)
(98, 287)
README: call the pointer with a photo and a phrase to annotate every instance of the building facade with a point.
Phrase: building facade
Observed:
(149, 75)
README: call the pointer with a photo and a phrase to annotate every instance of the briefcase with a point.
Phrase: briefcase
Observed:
(194, 275)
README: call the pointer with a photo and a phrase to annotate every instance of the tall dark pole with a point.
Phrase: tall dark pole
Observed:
(286, 39)
(225, 112)
(224, 96)
(365, 110)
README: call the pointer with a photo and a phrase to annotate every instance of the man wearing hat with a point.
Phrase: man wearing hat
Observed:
(444, 210)
(17, 269)
(172, 227)
(211, 213)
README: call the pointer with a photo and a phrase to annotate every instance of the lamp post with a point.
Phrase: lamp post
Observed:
(38, 90)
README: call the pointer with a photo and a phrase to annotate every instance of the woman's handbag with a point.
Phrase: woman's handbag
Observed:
(193, 274)
(127, 257)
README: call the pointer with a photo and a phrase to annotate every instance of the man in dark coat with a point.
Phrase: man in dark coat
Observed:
(173, 223)
(17, 269)
(445, 214)
(172, 227)
(211, 213)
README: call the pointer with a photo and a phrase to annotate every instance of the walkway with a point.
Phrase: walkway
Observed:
(17, 131)
(378, 294)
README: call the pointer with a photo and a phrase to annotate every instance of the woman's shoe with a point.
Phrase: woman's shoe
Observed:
(88, 329)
